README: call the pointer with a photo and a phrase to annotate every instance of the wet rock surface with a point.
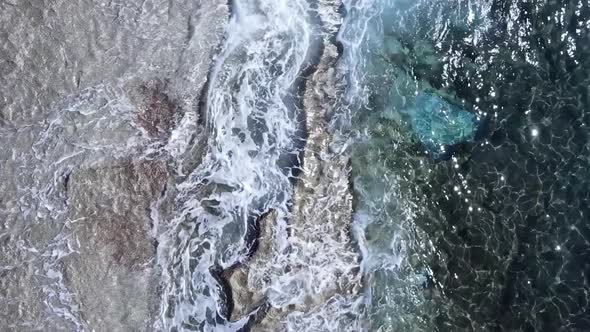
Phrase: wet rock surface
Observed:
(247, 297)
(303, 274)
(98, 114)
(112, 271)
(321, 266)
(83, 244)
(157, 113)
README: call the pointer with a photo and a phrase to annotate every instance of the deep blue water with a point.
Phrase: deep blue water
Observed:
(492, 232)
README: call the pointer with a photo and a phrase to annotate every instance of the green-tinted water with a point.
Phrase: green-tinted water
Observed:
(491, 232)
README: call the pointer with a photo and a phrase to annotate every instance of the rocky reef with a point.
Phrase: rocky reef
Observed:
(312, 279)
(438, 124)
(98, 109)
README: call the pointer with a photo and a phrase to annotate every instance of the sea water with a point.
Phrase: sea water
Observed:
(494, 236)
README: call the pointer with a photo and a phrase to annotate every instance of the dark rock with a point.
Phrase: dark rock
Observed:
(246, 298)
(156, 111)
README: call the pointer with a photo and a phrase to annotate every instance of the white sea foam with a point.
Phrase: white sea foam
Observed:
(250, 128)
(81, 131)
(382, 223)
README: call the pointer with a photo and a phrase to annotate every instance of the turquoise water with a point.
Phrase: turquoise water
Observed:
(470, 170)
(438, 124)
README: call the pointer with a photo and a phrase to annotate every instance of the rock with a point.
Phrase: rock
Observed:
(310, 273)
(247, 296)
(112, 271)
(55, 48)
(21, 298)
(98, 110)
(438, 123)
(241, 295)
(157, 113)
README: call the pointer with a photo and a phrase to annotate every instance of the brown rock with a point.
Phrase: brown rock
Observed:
(156, 111)
(245, 296)
(112, 272)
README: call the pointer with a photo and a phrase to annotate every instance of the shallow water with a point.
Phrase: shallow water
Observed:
(250, 129)
(495, 238)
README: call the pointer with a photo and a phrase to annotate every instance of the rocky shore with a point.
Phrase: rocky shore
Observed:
(98, 118)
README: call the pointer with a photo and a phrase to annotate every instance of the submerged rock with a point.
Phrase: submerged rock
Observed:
(98, 111)
(247, 297)
(156, 113)
(112, 271)
(438, 123)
